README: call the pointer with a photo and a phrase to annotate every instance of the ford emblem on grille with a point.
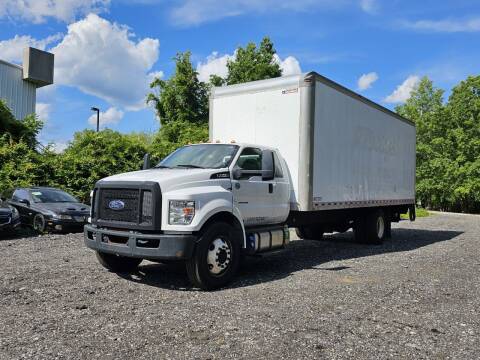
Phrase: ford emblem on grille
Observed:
(116, 204)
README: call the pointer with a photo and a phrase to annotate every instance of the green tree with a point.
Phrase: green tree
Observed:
(92, 156)
(252, 63)
(464, 115)
(448, 145)
(425, 107)
(216, 80)
(21, 165)
(26, 129)
(182, 97)
(175, 134)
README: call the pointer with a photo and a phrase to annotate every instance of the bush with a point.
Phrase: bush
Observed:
(92, 156)
(23, 166)
(175, 134)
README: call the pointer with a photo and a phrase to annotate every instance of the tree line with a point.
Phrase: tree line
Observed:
(448, 135)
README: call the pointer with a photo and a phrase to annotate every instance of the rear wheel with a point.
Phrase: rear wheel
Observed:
(216, 257)
(371, 228)
(118, 264)
(310, 232)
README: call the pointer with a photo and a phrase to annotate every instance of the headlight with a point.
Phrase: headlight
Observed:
(15, 213)
(62, 217)
(181, 212)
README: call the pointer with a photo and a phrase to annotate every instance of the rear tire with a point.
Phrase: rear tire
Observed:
(118, 264)
(310, 232)
(216, 258)
(371, 228)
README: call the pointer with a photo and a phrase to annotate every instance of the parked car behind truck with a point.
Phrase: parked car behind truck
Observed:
(9, 217)
(298, 151)
(49, 209)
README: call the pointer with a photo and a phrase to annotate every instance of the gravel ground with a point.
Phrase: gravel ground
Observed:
(417, 296)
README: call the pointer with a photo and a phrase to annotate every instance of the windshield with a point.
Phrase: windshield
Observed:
(205, 156)
(51, 196)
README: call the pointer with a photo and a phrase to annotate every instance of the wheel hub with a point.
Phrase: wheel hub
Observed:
(219, 256)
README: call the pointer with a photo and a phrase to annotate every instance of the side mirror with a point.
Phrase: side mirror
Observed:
(267, 165)
(237, 173)
(24, 201)
(146, 161)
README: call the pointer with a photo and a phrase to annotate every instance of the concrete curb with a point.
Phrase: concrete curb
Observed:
(451, 213)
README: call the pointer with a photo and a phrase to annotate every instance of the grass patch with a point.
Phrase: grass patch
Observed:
(419, 212)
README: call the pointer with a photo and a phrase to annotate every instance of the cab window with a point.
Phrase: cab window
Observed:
(250, 159)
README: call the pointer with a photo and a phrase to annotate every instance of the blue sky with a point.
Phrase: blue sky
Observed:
(107, 51)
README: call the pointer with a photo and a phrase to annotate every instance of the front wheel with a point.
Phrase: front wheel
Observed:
(118, 264)
(216, 257)
(39, 223)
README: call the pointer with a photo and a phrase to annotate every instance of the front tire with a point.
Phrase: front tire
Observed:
(39, 224)
(118, 264)
(216, 258)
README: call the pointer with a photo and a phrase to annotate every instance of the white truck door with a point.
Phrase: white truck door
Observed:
(251, 194)
(279, 192)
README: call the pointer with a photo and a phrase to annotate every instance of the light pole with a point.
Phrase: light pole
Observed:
(98, 116)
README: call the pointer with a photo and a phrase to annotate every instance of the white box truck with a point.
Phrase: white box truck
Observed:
(298, 151)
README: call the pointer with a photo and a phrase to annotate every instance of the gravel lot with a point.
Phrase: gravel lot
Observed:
(417, 296)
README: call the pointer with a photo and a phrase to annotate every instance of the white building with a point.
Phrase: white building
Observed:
(18, 84)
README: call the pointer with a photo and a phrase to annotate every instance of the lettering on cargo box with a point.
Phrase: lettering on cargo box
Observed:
(289, 91)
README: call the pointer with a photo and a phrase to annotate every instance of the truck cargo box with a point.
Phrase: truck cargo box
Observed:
(342, 150)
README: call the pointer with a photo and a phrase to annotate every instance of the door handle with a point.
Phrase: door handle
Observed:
(270, 188)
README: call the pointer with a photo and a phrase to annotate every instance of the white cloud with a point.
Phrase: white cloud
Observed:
(366, 80)
(215, 64)
(369, 6)
(446, 25)
(403, 91)
(43, 110)
(289, 66)
(103, 59)
(194, 12)
(60, 146)
(37, 11)
(12, 49)
(111, 116)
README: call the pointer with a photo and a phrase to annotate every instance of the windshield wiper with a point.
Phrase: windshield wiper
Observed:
(190, 166)
(162, 167)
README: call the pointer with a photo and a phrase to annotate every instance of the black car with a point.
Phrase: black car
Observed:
(9, 216)
(49, 209)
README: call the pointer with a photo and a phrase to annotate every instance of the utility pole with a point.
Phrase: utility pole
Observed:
(98, 117)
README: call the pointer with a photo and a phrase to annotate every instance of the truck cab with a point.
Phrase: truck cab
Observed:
(205, 204)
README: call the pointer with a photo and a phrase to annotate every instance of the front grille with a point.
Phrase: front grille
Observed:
(127, 205)
(147, 208)
(130, 199)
